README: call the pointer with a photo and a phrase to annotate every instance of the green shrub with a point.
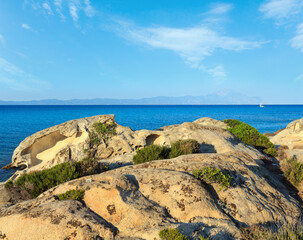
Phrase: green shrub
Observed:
(9, 184)
(72, 194)
(251, 136)
(285, 232)
(293, 171)
(150, 153)
(105, 129)
(38, 182)
(171, 234)
(213, 175)
(183, 147)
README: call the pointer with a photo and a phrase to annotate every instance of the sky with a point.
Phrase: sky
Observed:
(67, 49)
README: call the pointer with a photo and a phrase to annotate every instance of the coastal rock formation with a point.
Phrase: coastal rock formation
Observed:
(290, 141)
(137, 201)
(70, 141)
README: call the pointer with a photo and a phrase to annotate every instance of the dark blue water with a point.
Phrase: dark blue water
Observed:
(18, 122)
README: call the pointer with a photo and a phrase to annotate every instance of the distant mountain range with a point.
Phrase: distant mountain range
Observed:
(217, 98)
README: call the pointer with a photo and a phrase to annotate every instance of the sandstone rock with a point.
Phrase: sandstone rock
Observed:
(292, 138)
(140, 200)
(137, 201)
(70, 141)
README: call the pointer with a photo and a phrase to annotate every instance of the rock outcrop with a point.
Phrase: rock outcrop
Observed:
(137, 201)
(290, 141)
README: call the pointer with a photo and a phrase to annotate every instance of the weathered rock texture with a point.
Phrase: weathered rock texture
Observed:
(137, 201)
(290, 141)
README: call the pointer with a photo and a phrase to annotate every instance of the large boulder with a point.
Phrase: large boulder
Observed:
(136, 202)
(290, 141)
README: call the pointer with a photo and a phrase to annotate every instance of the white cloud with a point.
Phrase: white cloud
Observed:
(193, 44)
(297, 41)
(60, 7)
(221, 8)
(281, 9)
(217, 72)
(73, 11)
(26, 26)
(89, 10)
(2, 40)
(16, 78)
(48, 8)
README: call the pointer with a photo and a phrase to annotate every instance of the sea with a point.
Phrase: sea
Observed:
(18, 122)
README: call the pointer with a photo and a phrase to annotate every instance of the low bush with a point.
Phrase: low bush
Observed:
(172, 234)
(36, 183)
(251, 136)
(150, 153)
(293, 171)
(155, 152)
(9, 184)
(101, 131)
(72, 194)
(213, 175)
(183, 147)
(285, 232)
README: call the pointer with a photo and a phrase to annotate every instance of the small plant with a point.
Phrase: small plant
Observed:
(105, 129)
(183, 147)
(285, 232)
(251, 136)
(9, 184)
(213, 175)
(293, 171)
(150, 153)
(93, 138)
(256, 232)
(72, 194)
(172, 234)
(36, 183)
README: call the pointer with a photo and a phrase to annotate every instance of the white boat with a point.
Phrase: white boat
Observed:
(261, 105)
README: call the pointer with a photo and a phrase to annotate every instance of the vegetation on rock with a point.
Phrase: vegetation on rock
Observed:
(251, 136)
(293, 171)
(104, 130)
(36, 183)
(72, 194)
(150, 153)
(285, 232)
(171, 234)
(213, 175)
(155, 152)
(183, 147)
(9, 184)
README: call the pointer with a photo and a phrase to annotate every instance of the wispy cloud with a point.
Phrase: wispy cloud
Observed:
(48, 8)
(65, 8)
(26, 26)
(2, 41)
(15, 78)
(193, 44)
(297, 41)
(281, 9)
(221, 8)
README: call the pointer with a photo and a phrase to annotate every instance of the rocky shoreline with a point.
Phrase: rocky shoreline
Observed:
(137, 201)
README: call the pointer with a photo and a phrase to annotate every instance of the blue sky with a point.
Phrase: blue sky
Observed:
(69, 49)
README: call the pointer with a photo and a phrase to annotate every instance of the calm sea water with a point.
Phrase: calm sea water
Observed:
(18, 122)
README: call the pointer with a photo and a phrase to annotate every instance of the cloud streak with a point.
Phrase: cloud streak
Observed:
(16, 79)
(297, 41)
(192, 44)
(281, 9)
(65, 8)
(26, 26)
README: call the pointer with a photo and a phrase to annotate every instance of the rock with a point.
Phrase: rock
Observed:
(49, 218)
(70, 141)
(290, 140)
(137, 201)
